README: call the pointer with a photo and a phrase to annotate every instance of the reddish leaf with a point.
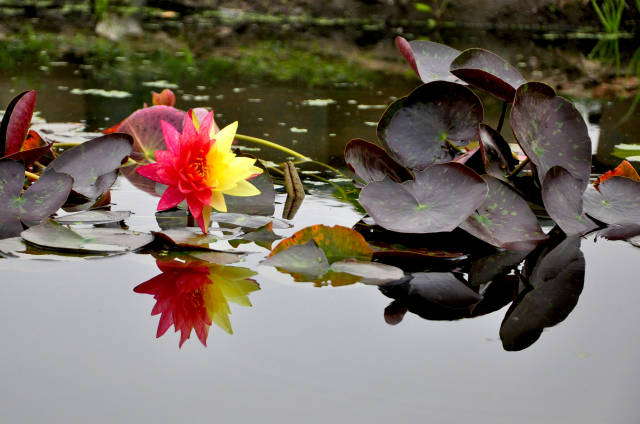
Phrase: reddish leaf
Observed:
(625, 169)
(405, 49)
(337, 242)
(15, 122)
(165, 97)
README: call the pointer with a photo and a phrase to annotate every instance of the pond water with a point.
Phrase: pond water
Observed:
(80, 344)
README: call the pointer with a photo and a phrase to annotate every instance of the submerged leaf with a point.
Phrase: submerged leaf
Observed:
(15, 122)
(551, 131)
(487, 71)
(562, 196)
(504, 219)
(418, 129)
(51, 235)
(439, 199)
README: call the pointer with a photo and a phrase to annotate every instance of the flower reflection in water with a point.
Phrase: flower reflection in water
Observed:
(193, 294)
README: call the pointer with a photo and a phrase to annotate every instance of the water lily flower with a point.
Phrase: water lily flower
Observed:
(200, 167)
(192, 295)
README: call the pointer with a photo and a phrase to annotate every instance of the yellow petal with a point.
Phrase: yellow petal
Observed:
(217, 201)
(196, 124)
(206, 217)
(224, 138)
(243, 188)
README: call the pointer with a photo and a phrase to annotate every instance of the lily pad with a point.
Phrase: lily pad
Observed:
(93, 164)
(418, 129)
(51, 235)
(429, 60)
(625, 169)
(338, 243)
(263, 237)
(306, 259)
(185, 238)
(562, 196)
(95, 217)
(556, 281)
(15, 122)
(249, 221)
(504, 219)
(496, 153)
(551, 131)
(39, 201)
(371, 272)
(617, 201)
(439, 199)
(487, 71)
(371, 163)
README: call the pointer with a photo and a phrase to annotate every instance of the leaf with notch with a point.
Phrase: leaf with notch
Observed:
(371, 163)
(429, 60)
(417, 129)
(617, 201)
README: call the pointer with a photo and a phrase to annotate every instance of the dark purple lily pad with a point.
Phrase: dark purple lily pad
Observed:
(504, 219)
(15, 122)
(93, 164)
(556, 281)
(417, 129)
(145, 128)
(39, 201)
(485, 269)
(487, 71)
(54, 236)
(551, 131)
(429, 60)
(496, 154)
(29, 156)
(439, 199)
(371, 163)
(616, 202)
(562, 196)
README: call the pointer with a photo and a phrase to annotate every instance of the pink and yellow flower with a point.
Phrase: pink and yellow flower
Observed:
(199, 167)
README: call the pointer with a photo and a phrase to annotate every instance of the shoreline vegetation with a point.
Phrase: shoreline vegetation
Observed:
(305, 45)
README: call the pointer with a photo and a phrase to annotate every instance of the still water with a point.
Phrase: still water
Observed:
(80, 344)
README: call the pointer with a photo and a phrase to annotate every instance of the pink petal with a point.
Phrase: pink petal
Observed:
(150, 171)
(205, 125)
(188, 128)
(171, 137)
(165, 157)
(203, 196)
(171, 197)
(164, 324)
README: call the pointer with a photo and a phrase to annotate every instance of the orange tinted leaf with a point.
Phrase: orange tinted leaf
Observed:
(115, 128)
(33, 141)
(337, 242)
(625, 169)
(165, 97)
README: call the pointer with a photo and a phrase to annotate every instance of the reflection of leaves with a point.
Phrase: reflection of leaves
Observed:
(51, 235)
(485, 269)
(42, 199)
(193, 295)
(556, 281)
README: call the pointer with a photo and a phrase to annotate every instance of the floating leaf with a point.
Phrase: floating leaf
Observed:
(625, 169)
(95, 217)
(15, 122)
(487, 71)
(417, 129)
(263, 237)
(306, 259)
(249, 221)
(429, 60)
(556, 281)
(439, 199)
(504, 219)
(39, 201)
(562, 196)
(371, 272)
(51, 235)
(93, 164)
(616, 202)
(496, 153)
(193, 295)
(185, 238)
(144, 125)
(551, 131)
(372, 163)
(337, 242)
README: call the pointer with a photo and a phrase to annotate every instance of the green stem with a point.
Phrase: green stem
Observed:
(31, 175)
(272, 145)
(518, 168)
(68, 144)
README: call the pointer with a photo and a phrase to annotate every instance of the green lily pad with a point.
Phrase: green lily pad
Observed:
(439, 199)
(504, 219)
(54, 236)
(418, 129)
(487, 71)
(551, 131)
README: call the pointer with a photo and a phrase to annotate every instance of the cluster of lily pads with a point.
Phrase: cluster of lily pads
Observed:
(440, 167)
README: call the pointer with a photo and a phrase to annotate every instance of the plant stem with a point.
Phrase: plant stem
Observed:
(502, 115)
(518, 168)
(272, 145)
(67, 144)
(31, 175)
